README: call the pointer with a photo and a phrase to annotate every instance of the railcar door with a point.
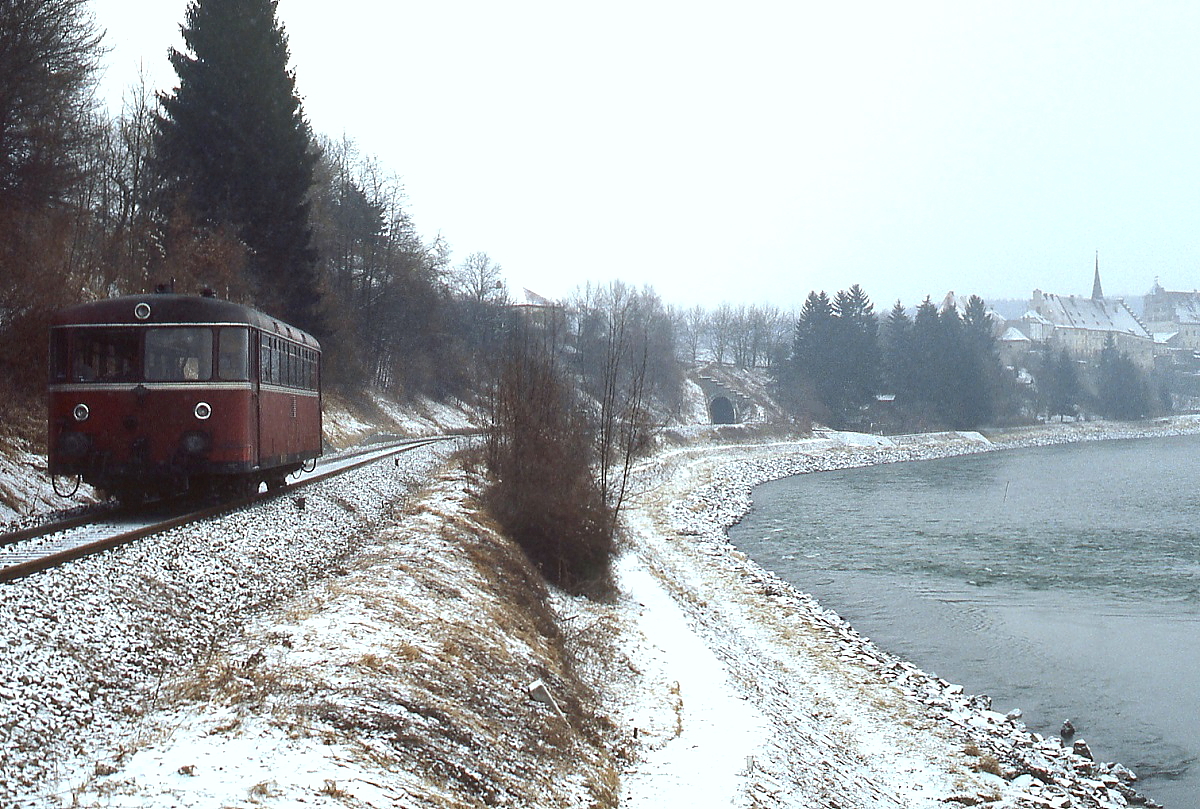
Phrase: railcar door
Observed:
(255, 399)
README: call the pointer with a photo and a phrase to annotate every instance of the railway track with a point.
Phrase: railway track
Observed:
(30, 550)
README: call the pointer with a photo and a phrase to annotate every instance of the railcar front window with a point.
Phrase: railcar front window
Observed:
(101, 355)
(60, 358)
(179, 354)
(233, 359)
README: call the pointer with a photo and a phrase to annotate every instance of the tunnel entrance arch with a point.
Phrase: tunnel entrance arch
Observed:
(722, 411)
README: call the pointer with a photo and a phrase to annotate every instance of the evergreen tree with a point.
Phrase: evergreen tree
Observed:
(1122, 391)
(809, 373)
(1060, 386)
(950, 367)
(235, 150)
(926, 357)
(897, 353)
(856, 358)
(980, 373)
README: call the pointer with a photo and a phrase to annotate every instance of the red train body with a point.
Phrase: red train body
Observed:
(152, 395)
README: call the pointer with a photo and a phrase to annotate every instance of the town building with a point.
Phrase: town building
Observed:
(1084, 326)
(1173, 317)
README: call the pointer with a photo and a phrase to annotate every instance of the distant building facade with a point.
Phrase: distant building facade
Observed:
(1174, 317)
(1083, 326)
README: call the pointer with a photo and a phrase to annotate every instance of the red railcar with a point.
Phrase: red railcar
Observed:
(152, 395)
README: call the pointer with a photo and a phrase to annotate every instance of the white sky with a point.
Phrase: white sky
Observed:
(752, 152)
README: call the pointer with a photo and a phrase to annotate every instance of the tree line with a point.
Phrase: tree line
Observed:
(940, 368)
(219, 183)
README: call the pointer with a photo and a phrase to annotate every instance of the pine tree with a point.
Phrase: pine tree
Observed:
(951, 368)
(855, 363)
(235, 149)
(1060, 387)
(926, 356)
(809, 371)
(1122, 390)
(898, 352)
(979, 375)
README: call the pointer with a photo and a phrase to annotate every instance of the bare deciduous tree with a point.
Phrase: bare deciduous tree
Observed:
(49, 50)
(479, 279)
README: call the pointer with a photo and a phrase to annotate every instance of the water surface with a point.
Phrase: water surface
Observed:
(1064, 581)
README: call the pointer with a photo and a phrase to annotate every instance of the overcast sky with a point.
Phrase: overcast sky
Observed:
(752, 152)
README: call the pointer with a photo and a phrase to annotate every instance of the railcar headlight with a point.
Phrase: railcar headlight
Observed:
(141, 311)
(81, 412)
(202, 410)
(194, 443)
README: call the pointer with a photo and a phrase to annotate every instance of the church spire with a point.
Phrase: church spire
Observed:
(1097, 292)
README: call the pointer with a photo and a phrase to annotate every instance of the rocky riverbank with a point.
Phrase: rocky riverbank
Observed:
(787, 656)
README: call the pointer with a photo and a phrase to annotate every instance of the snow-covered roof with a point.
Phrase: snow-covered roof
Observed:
(1013, 335)
(1164, 337)
(1186, 305)
(1091, 314)
(534, 299)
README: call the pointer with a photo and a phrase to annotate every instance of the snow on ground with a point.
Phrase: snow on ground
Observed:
(379, 648)
(25, 489)
(797, 722)
(90, 646)
(347, 422)
(401, 681)
(714, 725)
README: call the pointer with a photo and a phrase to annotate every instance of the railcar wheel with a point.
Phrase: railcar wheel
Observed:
(277, 483)
(129, 498)
(243, 487)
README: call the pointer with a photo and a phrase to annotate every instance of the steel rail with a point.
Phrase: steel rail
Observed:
(34, 561)
(53, 527)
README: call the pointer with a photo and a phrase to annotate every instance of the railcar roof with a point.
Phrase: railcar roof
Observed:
(172, 308)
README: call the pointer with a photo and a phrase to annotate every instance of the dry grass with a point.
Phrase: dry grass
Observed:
(263, 789)
(984, 762)
(677, 701)
(330, 789)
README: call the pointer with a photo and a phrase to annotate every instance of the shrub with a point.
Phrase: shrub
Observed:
(541, 455)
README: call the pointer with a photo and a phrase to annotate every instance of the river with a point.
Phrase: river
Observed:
(1064, 581)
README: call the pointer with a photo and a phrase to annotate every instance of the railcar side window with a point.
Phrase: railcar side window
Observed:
(264, 359)
(101, 355)
(287, 364)
(233, 357)
(276, 362)
(179, 354)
